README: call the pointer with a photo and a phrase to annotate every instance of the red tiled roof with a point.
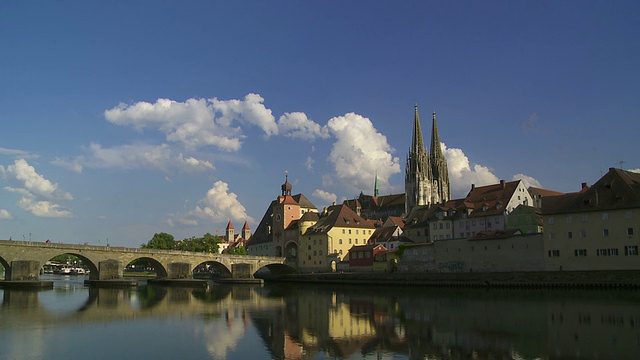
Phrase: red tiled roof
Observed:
(617, 189)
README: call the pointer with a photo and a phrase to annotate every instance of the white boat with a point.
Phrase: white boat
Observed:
(72, 270)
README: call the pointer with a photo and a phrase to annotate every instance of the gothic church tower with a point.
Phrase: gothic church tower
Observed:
(426, 177)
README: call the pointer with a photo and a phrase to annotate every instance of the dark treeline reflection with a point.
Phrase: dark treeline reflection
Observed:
(343, 322)
(437, 323)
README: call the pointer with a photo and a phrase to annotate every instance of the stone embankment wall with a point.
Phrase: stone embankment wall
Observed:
(543, 279)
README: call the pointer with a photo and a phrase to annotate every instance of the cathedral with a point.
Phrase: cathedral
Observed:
(427, 175)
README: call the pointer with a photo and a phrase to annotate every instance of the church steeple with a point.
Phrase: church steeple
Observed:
(440, 171)
(376, 191)
(417, 143)
(286, 187)
(418, 169)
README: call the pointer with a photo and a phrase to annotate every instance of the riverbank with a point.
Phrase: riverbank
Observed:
(561, 279)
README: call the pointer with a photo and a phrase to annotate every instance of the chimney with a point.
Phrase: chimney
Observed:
(502, 184)
(473, 186)
(584, 185)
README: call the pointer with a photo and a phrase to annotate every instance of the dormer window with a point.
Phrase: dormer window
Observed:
(485, 207)
(499, 206)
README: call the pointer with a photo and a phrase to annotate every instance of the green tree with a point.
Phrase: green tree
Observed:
(161, 241)
(240, 250)
(206, 243)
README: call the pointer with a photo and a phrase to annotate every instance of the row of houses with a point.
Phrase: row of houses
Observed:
(499, 227)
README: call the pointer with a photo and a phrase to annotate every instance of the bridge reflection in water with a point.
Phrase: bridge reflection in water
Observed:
(303, 322)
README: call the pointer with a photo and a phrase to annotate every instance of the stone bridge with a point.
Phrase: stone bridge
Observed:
(23, 260)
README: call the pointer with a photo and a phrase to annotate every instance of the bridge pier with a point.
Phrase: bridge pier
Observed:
(24, 274)
(179, 270)
(242, 271)
(22, 270)
(110, 270)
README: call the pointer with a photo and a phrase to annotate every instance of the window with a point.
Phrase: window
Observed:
(605, 216)
(441, 225)
(630, 231)
(550, 235)
(551, 221)
(447, 226)
(340, 241)
(580, 252)
(367, 254)
(569, 219)
(343, 231)
(570, 235)
(356, 241)
(607, 252)
(628, 214)
(356, 232)
(360, 255)
(605, 232)
(583, 233)
(631, 250)
(554, 253)
(585, 217)
(349, 241)
(354, 255)
(319, 241)
(349, 231)
(435, 226)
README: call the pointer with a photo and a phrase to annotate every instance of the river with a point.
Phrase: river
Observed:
(277, 321)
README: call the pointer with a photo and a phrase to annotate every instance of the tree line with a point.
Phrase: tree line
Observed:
(207, 243)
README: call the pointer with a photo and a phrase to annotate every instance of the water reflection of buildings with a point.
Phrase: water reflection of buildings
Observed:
(450, 324)
(304, 322)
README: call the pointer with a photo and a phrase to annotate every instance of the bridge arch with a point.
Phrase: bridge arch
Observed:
(89, 263)
(159, 268)
(211, 268)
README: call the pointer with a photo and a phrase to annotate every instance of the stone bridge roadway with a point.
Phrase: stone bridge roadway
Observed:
(23, 260)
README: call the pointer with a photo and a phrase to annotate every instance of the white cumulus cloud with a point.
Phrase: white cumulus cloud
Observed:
(5, 215)
(218, 206)
(359, 152)
(326, 197)
(462, 174)
(136, 156)
(528, 180)
(33, 182)
(297, 125)
(43, 208)
(196, 123)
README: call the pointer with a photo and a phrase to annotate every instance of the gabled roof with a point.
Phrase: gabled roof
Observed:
(396, 220)
(534, 191)
(261, 235)
(310, 216)
(383, 234)
(617, 189)
(338, 216)
(418, 217)
(303, 201)
(491, 199)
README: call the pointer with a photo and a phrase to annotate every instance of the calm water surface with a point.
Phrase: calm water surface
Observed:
(316, 322)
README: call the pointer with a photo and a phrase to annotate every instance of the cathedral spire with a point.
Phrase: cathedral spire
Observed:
(418, 170)
(439, 170)
(417, 143)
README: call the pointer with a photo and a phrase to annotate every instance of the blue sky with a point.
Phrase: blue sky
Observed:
(121, 119)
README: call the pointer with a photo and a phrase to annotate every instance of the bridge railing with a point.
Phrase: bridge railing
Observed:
(66, 246)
